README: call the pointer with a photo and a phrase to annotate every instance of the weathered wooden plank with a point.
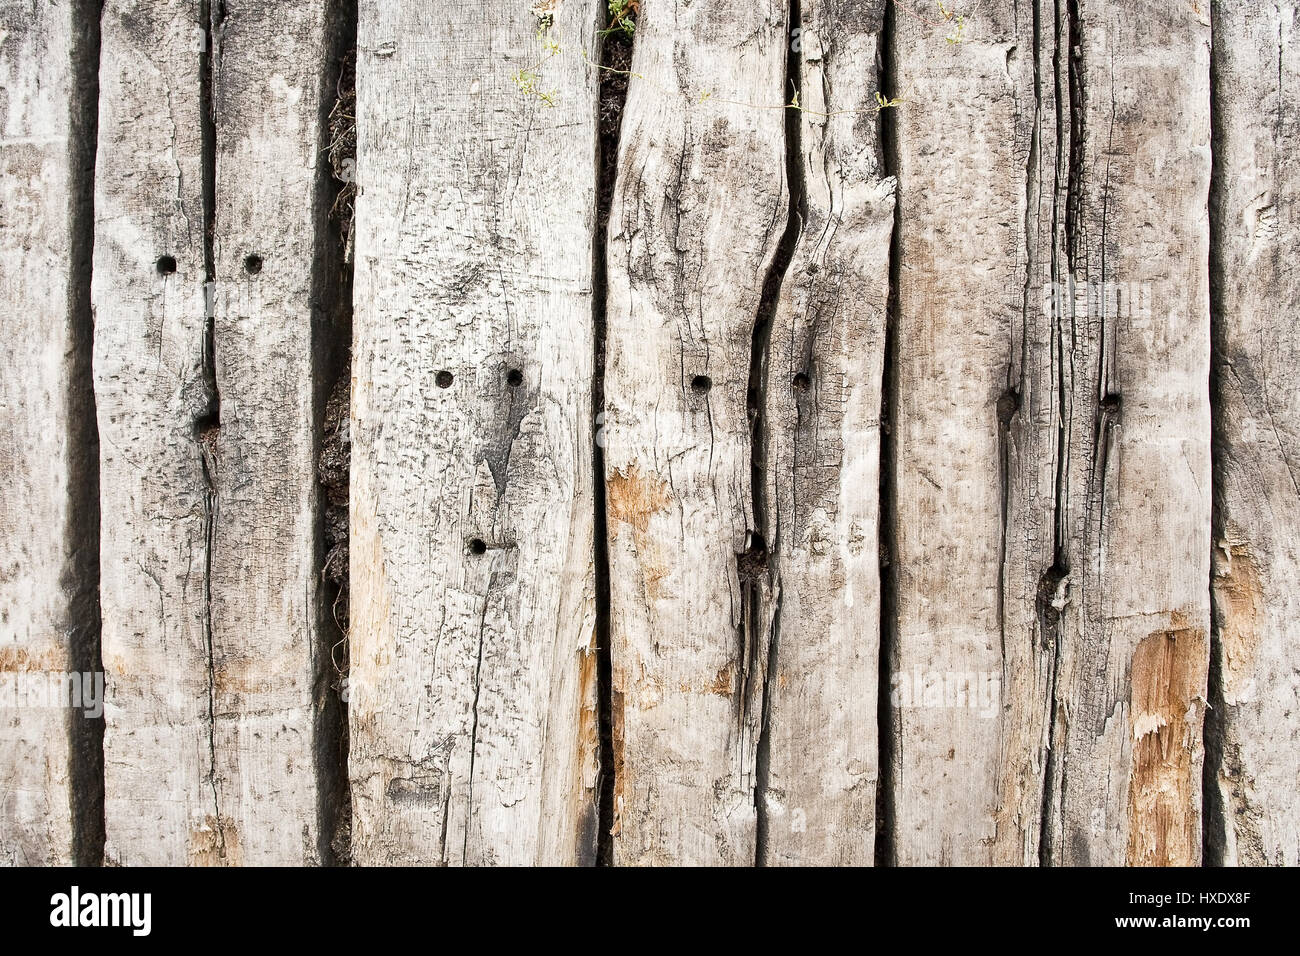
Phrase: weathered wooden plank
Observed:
(1132, 636)
(822, 393)
(472, 708)
(275, 338)
(698, 212)
(973, 434)
(211, 614)
(48, 617)
(1253, 741)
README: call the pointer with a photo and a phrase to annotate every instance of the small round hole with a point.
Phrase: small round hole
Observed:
(478, 546)
(700, 384)
(253, 264)
(515, 378)
(166, 265)
(801, 382)
(444, 379)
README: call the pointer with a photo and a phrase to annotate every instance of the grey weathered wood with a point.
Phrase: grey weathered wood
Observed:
(210, 603)
(472, 686)
(1052, 471)
(822, 393)
(47, 536)
(1254, 741)
(972, 498)
(1133, 639)
(698, 211)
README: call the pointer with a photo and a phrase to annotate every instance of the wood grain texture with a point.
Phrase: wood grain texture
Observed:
(48, 618)
(211, 612)
(472, 705)
(1130, 679)
(698, 211)
(1256, 760)
(821, 451)
(973, 435)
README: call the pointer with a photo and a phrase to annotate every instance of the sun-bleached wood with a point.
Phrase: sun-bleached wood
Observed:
(822, 393)
(972, 497)
(210, 603)
(698, 211)
(473, 659)
(47, 583)
(1253, 742)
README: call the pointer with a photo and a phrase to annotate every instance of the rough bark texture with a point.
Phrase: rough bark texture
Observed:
(206, 393)
(48, 614)
(1255, 772)
(472, 709)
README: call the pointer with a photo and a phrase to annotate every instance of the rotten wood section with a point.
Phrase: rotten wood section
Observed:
(1253, 741)
(472, 707)
(209, 221)
(48, 534)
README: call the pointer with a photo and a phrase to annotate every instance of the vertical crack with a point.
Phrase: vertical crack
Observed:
(82, 528)
(886, 850)
(1214, 819)
(758, 566)
(1052, 585)
(332, 375)
(615, 59)
(207, 427)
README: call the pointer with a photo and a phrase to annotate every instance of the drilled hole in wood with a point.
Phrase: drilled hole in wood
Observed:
(166, 265)
(801, 382)
(478, 546)
(515, 378)
(701, 384)
(444, 379)
(253, 264)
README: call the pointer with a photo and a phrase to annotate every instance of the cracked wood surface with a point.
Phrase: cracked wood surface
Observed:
(210, 578)
(698, 210)
(47, 540)
(1053, 469)
(1255, 772)
(821, 456)
(472, 705)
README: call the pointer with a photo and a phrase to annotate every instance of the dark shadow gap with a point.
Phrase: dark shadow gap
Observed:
(615, 59)
(764, 536)
(886, 853)
(1214, 813)
(332, 378)
(81, 575)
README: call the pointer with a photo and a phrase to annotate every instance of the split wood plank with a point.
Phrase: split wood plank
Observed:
(698, 211)
(212, 611)
(825, 361)
(472, 707)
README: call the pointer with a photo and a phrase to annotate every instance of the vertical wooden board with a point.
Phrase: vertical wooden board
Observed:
(1255, 749)
(152, 396)
(698, 210)
(46, 595)
(973, 435)
(206, 411)
(472, 709)
(270, 637)
(822, 456)
(1133, 649)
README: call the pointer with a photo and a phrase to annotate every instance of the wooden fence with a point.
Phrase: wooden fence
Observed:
(816, 432)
